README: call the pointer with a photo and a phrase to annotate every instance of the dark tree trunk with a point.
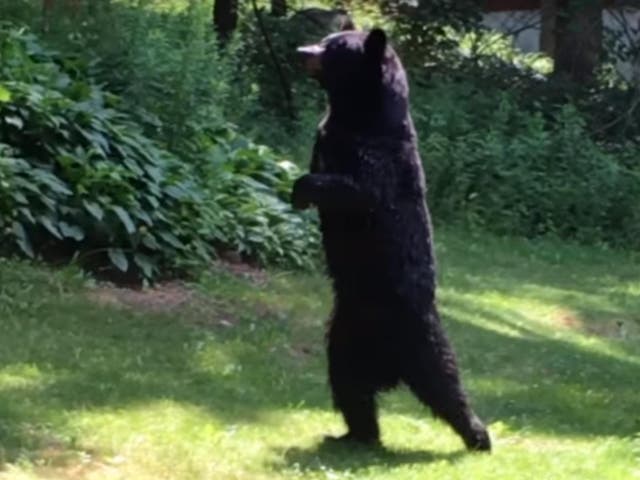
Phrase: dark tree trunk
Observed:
(577, 39)
(47, 8)
(225, 17)
(279, 8)
(547, 31)
(67, 7)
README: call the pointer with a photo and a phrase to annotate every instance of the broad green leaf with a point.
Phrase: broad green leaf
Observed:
(171, 239)
(154, 172)
(125, 219)
(15, 121)
(51, 180)
(94, 209)
(5, 95)
(27, 214)
(71, 231)
(48, 223)
(153, 201)
(176, 192)
(133, 166)
(145, 264)
(142, 215)
(20, 198)
(150, 242)
(118, 259)
(22, 240)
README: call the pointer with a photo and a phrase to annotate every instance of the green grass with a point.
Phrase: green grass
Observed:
(231, 385)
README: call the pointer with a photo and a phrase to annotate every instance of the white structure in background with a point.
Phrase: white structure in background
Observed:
(525, 27)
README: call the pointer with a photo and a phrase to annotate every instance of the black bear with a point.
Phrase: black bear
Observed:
(366, 180)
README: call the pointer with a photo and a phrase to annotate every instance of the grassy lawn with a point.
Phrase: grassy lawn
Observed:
(226, 379)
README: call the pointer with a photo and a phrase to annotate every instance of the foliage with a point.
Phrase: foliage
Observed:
(288, 102)
(101, 391)
(423, 28)
(506, 147)
(492, 164)
(165, 65)
(172, 67)
(103, 183)
(79, 177)
(250, 188)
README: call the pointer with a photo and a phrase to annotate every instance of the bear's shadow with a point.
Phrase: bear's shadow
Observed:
(337, 456)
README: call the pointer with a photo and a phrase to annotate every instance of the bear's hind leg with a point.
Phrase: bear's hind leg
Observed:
(449, 402)
(432, 375)
(358, 409)
(352, 394)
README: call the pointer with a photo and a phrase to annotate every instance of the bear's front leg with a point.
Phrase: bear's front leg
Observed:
(328, 191)
(301, 194)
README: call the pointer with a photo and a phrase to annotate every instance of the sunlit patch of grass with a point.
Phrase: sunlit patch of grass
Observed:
(21, 376)
(234, 386)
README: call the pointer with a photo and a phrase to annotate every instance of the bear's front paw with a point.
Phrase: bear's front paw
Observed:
(299, 196)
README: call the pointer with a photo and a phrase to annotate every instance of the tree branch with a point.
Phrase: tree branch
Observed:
(284, 82)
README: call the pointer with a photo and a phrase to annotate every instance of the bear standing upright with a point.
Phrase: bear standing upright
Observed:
(367, 182)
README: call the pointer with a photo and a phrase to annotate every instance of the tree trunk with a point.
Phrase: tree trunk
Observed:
(47, 8)
(225, 18)
(70, 7)
(279, 8)
(577, 39)
(547, 30)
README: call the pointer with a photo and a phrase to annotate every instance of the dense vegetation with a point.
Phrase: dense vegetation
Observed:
(83, 176)
(132, 139)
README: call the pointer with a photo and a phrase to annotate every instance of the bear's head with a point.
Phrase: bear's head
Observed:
(363, 77)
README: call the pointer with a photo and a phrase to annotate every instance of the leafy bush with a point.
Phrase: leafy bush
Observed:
(246, 190)
(421, 27)
(491, 164)
(506, 148)
(102, 181)
(168, 68)
(250, 187)
(78, 176)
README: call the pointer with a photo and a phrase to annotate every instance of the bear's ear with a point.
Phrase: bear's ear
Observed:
(375, 45)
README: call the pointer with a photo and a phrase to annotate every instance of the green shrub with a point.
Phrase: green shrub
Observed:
(250, 187)
(506, 148)
(78, 176)
(169, 70)
(492, 164)
(83, 174)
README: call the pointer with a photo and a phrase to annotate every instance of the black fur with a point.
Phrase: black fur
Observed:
(367, 182)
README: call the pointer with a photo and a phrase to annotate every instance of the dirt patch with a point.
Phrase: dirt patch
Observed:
(165, 297)
(302, 351)
(568, 320)
(177, 296)
(601, 327)
(232, 263)
(613, 328)
(74, 466)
